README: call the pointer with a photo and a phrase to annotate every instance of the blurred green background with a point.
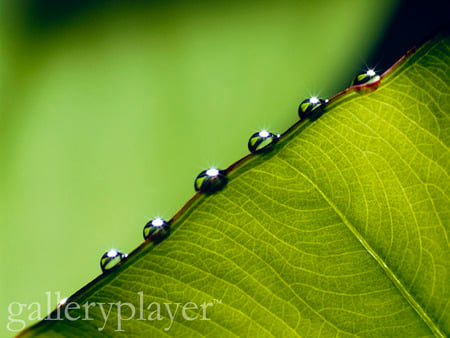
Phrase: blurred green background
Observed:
(109, 109)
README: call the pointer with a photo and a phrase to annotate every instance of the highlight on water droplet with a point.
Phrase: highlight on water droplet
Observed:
(211, 180)
(262, 141)
(370, 76)
(310, 105)
(111, 258)
(62, 302)
(156, 229)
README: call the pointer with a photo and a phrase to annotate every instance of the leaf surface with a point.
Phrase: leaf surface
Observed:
(342, 230)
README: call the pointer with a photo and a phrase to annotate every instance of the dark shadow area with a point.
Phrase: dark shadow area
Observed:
(414, 22)
(44, 16)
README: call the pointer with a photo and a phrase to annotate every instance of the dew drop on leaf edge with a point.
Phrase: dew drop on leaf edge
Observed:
(309, 105)
(370, 76)
(157, 228)
(111, 258)
(211, 180)
(262, 141)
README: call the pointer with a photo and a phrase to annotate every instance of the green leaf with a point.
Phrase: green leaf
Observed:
(341, 230)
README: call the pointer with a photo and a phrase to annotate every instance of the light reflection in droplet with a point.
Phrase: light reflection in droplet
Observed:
(314, 100)
(212, 172)
(158, 222)
(112, 253)
(264, 133)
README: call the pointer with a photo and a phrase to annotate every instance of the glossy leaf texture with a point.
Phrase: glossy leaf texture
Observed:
(341, 230)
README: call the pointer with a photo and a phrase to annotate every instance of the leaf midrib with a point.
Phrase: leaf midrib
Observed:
(391, 275)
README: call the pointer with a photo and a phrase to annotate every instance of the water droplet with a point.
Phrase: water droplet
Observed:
(111, 258)
(156, 229)
(62, 302)
(366, 78)
(211, 180)
(262, 141)
(309, 105)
